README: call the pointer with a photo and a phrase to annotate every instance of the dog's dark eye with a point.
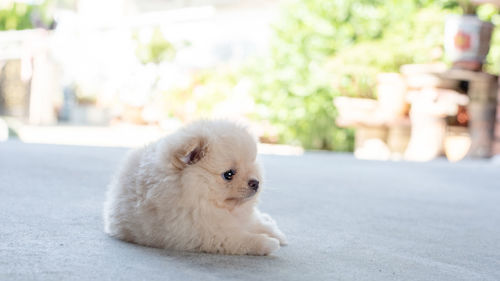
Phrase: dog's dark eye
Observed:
(228, 175)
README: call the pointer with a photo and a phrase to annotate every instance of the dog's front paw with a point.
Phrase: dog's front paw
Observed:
(265, 246)
(281, 237)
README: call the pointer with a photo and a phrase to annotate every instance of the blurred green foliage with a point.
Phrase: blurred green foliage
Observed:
(322, 49)
(19, 16)
(156, 50)
(16, 17)
(491, 13)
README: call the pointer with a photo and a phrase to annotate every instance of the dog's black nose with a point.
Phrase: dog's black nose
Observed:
(253, 184)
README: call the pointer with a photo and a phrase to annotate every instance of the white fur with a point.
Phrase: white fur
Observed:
(171, 194)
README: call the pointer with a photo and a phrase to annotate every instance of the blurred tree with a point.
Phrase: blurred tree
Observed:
(322, 49)
(19, 15)
(15, 16)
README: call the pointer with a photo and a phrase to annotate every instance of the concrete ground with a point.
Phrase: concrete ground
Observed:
(345, 219)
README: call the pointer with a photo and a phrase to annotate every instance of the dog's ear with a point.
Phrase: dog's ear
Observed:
(191, 152)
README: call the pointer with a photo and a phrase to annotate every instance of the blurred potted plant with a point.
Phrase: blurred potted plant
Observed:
(467, 38)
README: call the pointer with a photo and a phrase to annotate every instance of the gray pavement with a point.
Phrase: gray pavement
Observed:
(345, 220)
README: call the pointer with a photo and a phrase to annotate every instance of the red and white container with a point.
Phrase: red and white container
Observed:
(467, 38)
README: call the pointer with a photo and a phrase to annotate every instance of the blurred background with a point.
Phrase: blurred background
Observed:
(387, 80)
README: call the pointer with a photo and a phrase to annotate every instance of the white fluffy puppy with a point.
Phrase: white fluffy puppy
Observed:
(194, 190)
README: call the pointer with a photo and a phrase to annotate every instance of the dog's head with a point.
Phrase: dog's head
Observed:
(218, 162)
